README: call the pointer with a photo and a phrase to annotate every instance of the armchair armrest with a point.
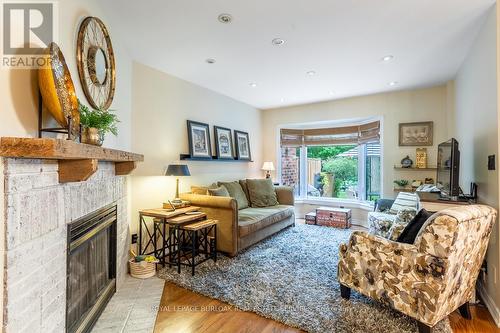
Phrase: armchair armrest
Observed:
(393, 273)
(223, 209)
(285, 195)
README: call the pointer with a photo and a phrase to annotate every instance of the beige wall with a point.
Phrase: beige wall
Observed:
(430, 104)
(477, 132)
(162, 103)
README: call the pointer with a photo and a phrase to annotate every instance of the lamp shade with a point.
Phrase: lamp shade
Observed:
(177, 170)
(268, 166)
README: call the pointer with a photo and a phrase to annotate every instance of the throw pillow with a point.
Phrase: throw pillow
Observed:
(219, 192)
(262, 193)
(199, 190)
(243, 183)
(400, 222)
(404, 200)
(236, 192)
(411, 230)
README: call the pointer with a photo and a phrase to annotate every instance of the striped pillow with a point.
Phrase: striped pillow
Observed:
(404, 201)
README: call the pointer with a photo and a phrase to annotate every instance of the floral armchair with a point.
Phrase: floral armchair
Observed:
(426, 280)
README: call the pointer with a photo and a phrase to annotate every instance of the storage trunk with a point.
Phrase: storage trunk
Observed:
(333, 217)
(311, 218)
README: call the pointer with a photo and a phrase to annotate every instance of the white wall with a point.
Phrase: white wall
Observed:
(430, 104)
(162, 103)
(476, 119)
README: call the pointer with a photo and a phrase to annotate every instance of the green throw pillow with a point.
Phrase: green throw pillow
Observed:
(236, 192)
(219, 192)
(262, 193)
(243, 183)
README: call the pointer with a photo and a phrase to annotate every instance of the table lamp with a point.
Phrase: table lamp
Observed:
(177, 170)
(268, 167)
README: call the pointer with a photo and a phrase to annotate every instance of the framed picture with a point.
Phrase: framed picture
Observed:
(242, 145)
(416, 134)
(199, 140)
(223, 143)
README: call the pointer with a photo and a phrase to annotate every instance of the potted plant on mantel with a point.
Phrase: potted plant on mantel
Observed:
(96, 123)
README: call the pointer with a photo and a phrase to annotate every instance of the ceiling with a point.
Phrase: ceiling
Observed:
(342, 41)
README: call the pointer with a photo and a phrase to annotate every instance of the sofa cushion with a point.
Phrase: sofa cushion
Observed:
(202, 190)
(236, 192)
(219, 192)
(252, 219)
(261, 192)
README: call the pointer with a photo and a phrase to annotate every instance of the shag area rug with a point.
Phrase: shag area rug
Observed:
(292, 278)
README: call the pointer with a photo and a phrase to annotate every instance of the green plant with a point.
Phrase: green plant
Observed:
(104, 120)
(401, 182)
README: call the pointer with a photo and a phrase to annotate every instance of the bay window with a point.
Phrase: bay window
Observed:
(339, 162)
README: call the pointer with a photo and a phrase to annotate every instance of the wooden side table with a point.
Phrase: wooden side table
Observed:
(197, 235)
(150, 235)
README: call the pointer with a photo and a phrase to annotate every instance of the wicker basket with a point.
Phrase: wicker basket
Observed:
(143, 269)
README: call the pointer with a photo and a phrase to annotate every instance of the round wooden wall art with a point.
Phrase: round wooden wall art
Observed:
(96, 63)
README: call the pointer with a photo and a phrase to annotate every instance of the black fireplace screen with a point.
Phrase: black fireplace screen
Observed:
(91, 268)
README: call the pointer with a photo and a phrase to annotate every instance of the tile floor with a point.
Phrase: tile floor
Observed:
(133, 308)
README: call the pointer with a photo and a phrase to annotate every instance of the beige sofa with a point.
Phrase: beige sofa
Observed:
(239, 229)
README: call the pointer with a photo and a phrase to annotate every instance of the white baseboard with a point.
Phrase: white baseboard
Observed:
(490, 304)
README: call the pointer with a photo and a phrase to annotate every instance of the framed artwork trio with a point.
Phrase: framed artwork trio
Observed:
(226, 148)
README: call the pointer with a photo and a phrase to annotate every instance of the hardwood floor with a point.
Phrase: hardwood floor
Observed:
(183, 311)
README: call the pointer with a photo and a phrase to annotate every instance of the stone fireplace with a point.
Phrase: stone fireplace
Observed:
(40, 212)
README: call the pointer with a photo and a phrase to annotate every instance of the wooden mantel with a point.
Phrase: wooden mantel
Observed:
(77, 161)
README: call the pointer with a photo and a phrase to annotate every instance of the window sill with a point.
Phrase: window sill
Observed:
(365, 205)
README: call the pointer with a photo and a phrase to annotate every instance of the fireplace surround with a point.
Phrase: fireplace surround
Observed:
(38, 213)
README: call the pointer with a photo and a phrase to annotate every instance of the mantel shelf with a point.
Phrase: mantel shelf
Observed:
(77, 161)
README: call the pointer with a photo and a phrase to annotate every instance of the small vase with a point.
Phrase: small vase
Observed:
(92, 136)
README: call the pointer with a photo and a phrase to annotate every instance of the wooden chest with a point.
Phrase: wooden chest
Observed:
(311, 218)
(333, 217)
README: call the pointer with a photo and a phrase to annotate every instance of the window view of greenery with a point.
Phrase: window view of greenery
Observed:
(333, 172)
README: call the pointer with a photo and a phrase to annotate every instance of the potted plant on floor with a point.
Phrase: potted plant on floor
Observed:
(96, 124)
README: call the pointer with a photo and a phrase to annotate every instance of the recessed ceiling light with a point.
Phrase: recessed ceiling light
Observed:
(282, 99)
(225, 18)
(253, 84)
(278, 41)
(332, 92)
(393, 83)
(311, 73)
(387, 58)
(210, 61)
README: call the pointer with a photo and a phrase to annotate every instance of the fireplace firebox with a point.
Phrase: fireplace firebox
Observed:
(91, 268)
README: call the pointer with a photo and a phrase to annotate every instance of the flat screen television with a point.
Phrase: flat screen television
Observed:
(448, 164)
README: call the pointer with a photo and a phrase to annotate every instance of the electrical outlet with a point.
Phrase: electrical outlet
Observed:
(134, 238)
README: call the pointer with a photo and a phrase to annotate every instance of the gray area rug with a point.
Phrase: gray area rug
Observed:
(292, 278)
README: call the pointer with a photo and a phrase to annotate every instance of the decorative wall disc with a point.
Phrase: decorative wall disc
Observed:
(96, 63)
(57, 89)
